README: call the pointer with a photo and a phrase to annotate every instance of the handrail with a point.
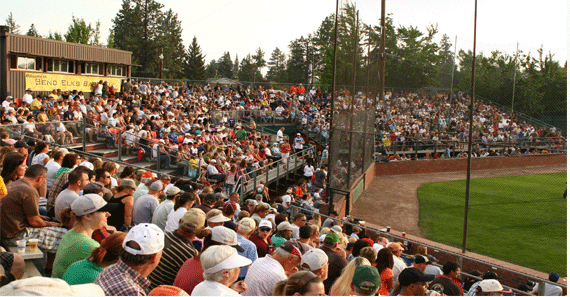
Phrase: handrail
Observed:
(461, 256)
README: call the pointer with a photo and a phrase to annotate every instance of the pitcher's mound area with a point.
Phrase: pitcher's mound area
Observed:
(392, 200)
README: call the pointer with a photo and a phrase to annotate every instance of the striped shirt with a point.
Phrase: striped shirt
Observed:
(121, 280)
(177, 249)
(262, 276)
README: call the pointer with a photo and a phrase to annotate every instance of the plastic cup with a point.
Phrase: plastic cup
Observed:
(388, 229)
(403, 235)
(33, 245)
(21, 246)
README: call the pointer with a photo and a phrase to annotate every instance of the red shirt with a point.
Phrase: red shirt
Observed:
(263, 248)
(189, 275)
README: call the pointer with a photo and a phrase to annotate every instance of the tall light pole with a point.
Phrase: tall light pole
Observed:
(470, 145)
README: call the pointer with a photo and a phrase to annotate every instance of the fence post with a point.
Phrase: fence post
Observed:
(278, 176)
(120, 145)
(83, 124)
(541, 288)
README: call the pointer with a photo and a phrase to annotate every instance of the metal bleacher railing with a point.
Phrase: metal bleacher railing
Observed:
(393, 237)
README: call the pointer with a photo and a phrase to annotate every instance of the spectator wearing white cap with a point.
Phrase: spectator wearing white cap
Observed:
(178, 247)
(266, 272)
(221, 266)
(142, 250)
(316, 261)
(492, 287)
(213, 172)
(91, 212)
(191, 273)
(298, 143)
(245, 229)
(144, 206)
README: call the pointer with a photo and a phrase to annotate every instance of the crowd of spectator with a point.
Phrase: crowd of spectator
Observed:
(129, 232)
(413, 122)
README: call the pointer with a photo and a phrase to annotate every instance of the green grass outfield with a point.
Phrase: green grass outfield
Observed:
(518, 219)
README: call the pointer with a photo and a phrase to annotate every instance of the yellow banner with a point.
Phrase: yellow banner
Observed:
(67, 82)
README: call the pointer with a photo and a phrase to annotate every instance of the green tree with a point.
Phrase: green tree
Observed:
(446, 65)
(297, 70)
(33, 32)
(14, 27)
(194, 66)
(247, 69)
(111, 39)
(277, 66)
(136, 29)
(169, 38)
(79, 31)
(55, 36)
(225, 65)
(212, 69)
(235, 68)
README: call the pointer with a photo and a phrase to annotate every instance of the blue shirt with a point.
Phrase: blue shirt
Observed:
(249, 251)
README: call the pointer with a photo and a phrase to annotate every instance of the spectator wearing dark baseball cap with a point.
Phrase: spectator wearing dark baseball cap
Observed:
(366, 281)
(421, 262)
(549, 289)
(207, 203)
(413, 282)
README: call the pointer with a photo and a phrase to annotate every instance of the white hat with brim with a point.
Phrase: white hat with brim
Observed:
(285, 226)
(233, 261)
(314, 259)
(218, 219)
(226, 236)
(47, 286)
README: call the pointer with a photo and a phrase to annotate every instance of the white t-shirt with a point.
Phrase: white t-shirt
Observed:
(173, 219)
(279, 136)
(550, 290)
(210, 288)
(286, 201)
(52, 168)
(399, 265)
(309, 170)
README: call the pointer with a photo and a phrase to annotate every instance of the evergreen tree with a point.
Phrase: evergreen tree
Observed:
(95, 40)
(55, 36)
(14, 28)
(276, 72)
(235, 68)
(111, 39)
(194, 66)
(170, 41)
(225, 66)
(33, 32)
(296, 66)
(259, 61)
(212, 69)
(136, 29)
(247, 69)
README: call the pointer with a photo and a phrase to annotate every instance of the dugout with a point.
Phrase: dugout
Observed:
(45, 64)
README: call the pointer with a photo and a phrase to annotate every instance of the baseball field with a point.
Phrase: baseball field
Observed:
(519, 219)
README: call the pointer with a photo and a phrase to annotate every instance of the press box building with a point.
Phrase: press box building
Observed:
(45, 64)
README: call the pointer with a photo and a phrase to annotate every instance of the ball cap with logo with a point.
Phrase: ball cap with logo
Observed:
(90, 203)
(149, 237)
(366, 278)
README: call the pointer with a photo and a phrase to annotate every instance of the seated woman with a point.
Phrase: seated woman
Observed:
(91, 212)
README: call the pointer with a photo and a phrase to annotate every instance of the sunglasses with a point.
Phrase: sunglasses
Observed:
(264, 229)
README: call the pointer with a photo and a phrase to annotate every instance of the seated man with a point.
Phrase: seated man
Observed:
(21, 218)
(213, 173)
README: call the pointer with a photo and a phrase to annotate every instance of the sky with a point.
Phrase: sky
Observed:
(241, 26)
